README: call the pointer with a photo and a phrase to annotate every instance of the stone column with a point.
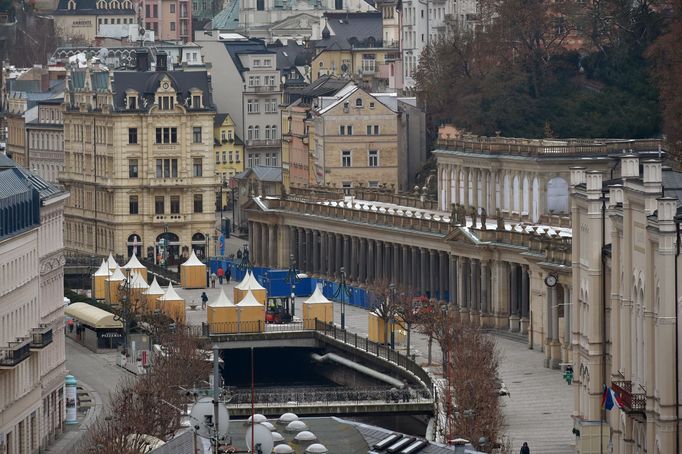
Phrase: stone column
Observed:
(525, 299)
(549, 325)
(493, 192)
(308, 234)
(423, 271)
(257, 244)
(251, 237)
(501, 297)
(264, 249)
(362, 260)
(395, 278)
(379, 262)
(315, 268)
(461, 284)
(338, 260)
(566, 344)
(272, 245)
(485, 294)
(514, 318)
(293, 233)
(556, 345)
(447, 184)
(300, 257)
(456, 198)
(466, 187)
(346, 254)
(485, 181)
(387, 261)
(331, 268)
(433, 273)
(353, 259)
(442, 275)
(371, 261)
(323, 253)
(452, 280)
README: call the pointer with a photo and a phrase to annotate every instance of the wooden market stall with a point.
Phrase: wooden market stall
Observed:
(222, 315)
(135, 265)
(317, 306)
(152, 294)
(172, 304)
(138, 285)
(100, 280)
(250, 315)
(114, 283)
(250, 284)
(193, 273)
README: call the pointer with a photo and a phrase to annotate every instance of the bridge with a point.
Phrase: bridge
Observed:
(416, 399)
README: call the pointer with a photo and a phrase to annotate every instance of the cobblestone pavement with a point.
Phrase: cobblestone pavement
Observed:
(538, 410)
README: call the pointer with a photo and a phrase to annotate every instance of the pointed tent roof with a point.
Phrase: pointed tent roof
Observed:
(111, 262)
(138, 281)
(193, 260)
(154, 288)
(103, 269)
(222, 301)
(249, 283)
(118, 275)
(134, 264)
(317, 297)
(249, 301)
(171, 294)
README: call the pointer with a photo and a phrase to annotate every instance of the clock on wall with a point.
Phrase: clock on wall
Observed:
(551, 280)
(165, 85)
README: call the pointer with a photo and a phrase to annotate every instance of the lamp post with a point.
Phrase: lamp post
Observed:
(293, 278)
(342, 291)
(391, 303)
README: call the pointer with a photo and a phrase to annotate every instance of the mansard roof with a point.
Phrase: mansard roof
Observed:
(89, 7)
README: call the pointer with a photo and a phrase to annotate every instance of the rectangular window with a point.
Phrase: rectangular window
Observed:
(197, 168)
(196, 134)
(376, 130)
(222, 135)
(132, 204)
(132, 135)
(156, 11)
(175, 204)
(342, 130)
(172, 8)
(132, 168)
(174, 168)
(252, 106)
(198, 203)
(159, 168)
(159, 203)
(369, 130)
(230, 157)
(346, 158)
(349, 129)
(166, 168)
(196, 102)
(174, 135)
(373, 184)
(159, 135)
(147, 12)
(224, 156)
(172, 26)
(217, 157)
(256, 62)
(166, 135)
(236, 157)
(267, 62)
(373, 158)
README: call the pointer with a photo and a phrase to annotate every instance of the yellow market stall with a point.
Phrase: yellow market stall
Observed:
(138, 285)
(171, 304)
(135, 265)
(250, 315)
(378, 332)
(317, 306)
(152, 294)
(100, 283)
(193, 273)
(222, 315)
(113, 283)
(111, 262)
(250, 284)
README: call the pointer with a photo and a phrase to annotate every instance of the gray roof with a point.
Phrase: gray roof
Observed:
(45, 190)
(11, 184)
(89, 7)
(291, 54)
(350, 30)
(227, 19)
(241, 47)
(262, 173)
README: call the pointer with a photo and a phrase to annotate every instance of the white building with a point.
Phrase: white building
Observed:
(31, 310)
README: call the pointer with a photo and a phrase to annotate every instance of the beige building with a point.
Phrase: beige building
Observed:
(625, 316)
(139, 161)
(356, 140)
(31, 310)
(45, 139)
(79, 21)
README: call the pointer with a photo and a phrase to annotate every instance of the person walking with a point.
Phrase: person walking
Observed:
(214, 277)
(221, 274)
(228, 273)
(525, 449)
(204, 300)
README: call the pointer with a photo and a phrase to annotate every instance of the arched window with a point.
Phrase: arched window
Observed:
(557, 195)
(250, 133)
(256, 133)
(267, 132)
(274, 131)
(358, 102)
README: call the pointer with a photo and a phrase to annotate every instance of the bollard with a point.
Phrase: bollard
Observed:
(70, 400)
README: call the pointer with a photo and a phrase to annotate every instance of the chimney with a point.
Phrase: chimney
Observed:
(161, 61)
(593, 180)
(629, 166)
(667, 208)
(142, 59)
(652, 171)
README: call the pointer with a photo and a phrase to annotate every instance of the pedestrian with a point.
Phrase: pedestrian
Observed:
(228, 274)
(204, 300)
(525, 449)
(214, 277)
(221, 274)
(239, 254)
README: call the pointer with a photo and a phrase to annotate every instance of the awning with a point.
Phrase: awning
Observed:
(92, 316)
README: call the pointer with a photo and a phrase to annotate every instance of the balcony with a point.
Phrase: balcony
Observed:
(632, 402)
(267, 143)
(263, 88)
(41, 337)
(15, 353)
(168, 218)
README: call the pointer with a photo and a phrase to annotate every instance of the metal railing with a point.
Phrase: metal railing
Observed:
(15, 353)
(160, 270)
(632, 402)
(313, 396)
(41, 337)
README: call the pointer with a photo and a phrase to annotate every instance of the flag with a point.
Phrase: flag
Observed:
(610, 399)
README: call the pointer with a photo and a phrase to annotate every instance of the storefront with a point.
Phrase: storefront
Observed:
(93, 327)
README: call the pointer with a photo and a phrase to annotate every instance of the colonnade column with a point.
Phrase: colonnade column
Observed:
(461, 284)
(405, 275)
(493, 191)
(323, 253)
(484, 189)
(446, 186)
(395, 278)
(525, 299)
(549, 324)
(466, 175)
(501, 310)
(514, 318)
(272, 244)
(566, 344)
(452, 280)
(346, 254)
(485, 294)
(251, 245)
(354, 258)
(331, 260)
(257, 243)
(378, 270)
(315, 253)
(362, 260)
(457, 184)
(433, 270)
(338, 257)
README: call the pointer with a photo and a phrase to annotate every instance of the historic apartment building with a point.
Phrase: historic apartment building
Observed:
(355, 140)
(625, 281)
(45, 139)
(229, 155)
(139, 160)
(31, 310)
(171, 20)
(79, 21)
(250, 90)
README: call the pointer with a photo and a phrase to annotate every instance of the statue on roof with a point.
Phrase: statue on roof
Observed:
(484, 217)
(454, 217)
(473, 217)
(500, 221)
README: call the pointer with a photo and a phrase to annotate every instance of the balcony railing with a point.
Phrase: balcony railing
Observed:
(632, 402)
(41, 337)
(264, 143)
(263, 88)
(15, 353)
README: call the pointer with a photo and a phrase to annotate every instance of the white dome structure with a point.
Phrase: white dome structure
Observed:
(296, 426)
(283, 449)
(316, 448)
(277, 437)
(305, 436)
(256, 417)
(269, 425)
(286, 418)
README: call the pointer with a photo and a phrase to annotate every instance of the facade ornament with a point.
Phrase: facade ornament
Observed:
(473, 217)
(484, 218)
(500, 221)
(454, 216)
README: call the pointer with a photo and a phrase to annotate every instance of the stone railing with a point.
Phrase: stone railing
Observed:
(548, 147)
(402, 199)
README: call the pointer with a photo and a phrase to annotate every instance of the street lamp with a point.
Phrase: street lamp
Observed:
(292, 277)
(342, 291)
(391, 303)
(245, 263)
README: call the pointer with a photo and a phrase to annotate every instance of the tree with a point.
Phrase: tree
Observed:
(385, 305)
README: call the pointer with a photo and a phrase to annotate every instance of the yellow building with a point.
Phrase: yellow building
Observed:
(138, 161)
(229, 154)
(79, 21)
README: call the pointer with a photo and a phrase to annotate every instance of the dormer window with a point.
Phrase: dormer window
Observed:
(165, 102)
(101, 4)
(197, 98)
(71, 5)
(115, 4)
(358, 102)
(165, 95)
(132, 100)
(127, 4)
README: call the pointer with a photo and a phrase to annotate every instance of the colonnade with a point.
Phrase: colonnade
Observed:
(520, 191)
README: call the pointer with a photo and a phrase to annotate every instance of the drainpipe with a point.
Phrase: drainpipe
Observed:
(358, 367)
(678, 219)
(603, 314)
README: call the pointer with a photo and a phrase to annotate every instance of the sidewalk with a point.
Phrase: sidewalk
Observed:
(89, 407)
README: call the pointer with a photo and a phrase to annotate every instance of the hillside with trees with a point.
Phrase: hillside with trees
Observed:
(552, 69)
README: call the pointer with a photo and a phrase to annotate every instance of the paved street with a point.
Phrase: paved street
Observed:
(539, 409)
